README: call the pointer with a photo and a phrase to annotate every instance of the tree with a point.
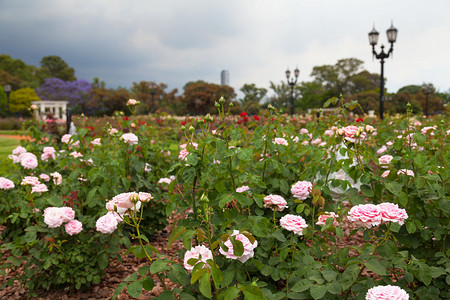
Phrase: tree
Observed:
(200, 97)
(312, 95)
(20, 101)
(17, 73)
(54, 66)
(252, 98)
(76, 92)
(345, 77)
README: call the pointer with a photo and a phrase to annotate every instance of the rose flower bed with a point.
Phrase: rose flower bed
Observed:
(265, 201)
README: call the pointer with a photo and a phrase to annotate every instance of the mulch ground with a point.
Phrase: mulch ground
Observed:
(117, 271)
(16, 137)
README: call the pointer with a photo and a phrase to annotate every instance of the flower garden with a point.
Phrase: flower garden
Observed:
(264, 207)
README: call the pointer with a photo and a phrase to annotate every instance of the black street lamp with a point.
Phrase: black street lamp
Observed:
(427, 89)
(373, 40)
(7, 89)
(292, 82)
(153, 87)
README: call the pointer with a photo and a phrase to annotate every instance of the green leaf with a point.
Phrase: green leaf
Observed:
(245, 154)
(231, 293)
(411, 227)
(349, 276)
(217, 276)
(158, 266)
(118, 289)
(419, 138)
(279, 236)
(147, 283)
(174, 235)
(135, 289)
(238, 247)
(329, 274)
(318, 291)
(204, 285)
(30, 236)
(192, 159)
(394, 187)
(333, 287)
(143, 270)
(387, 250)
(366, 190)
(302, 285)
(375, 266)
(131, 277)
(197, 273)
(103, 261)
(425, 274)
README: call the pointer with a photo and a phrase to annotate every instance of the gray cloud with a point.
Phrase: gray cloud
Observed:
(178, 41)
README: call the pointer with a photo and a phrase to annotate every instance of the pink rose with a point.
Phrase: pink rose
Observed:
(14, 158)
(30, 180)
(113, 131)
(367, 215)
(28, 160)
(44, 177)
(182, 154)
(123, 202)
(19, 150)
(96, 142)
(428, 130)
(293, 223)
(242, 189)
(198, 252)
(145, 197)
(248, 247)
(405, 171)
(392, 213)
(73, 227)
(106, 224)
(47, 156)
(147, 167)
(275, 202)
(66, 138)
(129, 138)
(67, 213)
(53, 217)
(76, 154)
(329, 132)
(280, 141)
(165, 180)
(57, 178)
(323, 218)
(304, 131)
(387, 292)
(382, 149)
(6, 184)
(131, 102)
(349, 133)
(301, 189)
(385, 159)
(49, 150)
(385, 174)
(39, 188)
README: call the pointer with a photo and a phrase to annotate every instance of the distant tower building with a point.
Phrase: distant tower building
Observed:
(224, 77)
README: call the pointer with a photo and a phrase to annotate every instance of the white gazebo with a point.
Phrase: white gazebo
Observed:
(56, 107)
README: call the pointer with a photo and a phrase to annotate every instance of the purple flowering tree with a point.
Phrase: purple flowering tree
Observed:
(76, 92)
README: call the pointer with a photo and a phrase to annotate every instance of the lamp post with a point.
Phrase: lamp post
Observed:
(7, 89)
(427, 89)
(373, 40)
(292, 82)
(153, 92)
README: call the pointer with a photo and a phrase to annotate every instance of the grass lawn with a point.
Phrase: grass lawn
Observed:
(7, 145)
(11, 132)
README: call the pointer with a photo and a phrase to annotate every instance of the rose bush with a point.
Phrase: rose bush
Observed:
(400, 212)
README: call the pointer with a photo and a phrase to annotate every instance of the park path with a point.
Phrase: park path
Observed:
(16, 137)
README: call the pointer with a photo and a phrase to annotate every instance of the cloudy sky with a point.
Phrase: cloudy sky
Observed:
(176, 41)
